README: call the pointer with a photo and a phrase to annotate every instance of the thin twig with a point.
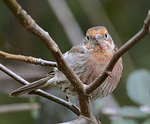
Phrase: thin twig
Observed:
(67, 20)
(80, 120)
(127, 46)
(42, 93)
(28, 59)
(27, 22)
(116, 112)
(32, 27)
(18, 107)
(67, 104)
(13, 75)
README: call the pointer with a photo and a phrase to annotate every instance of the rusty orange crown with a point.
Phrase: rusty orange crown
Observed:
(96, 30)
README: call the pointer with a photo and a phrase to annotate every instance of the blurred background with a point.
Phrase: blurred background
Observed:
(67, 22)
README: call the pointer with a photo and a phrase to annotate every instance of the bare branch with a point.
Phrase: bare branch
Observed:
(26, 21)
(67, 104)
(39, 92)
(18, 107)
(67, 20)
(13, 75)
(127, 46)
(80, 120)
(28, 59)
(84, 101)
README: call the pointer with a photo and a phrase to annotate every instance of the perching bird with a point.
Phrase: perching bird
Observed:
(88, 60)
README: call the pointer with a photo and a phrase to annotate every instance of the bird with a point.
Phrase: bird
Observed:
(88, 60)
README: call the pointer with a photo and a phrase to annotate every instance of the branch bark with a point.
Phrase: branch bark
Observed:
(27, 22)
(28, 59)
(127, 46)
(18, 107)
(80, 120)
(81, 89)
(42, 93)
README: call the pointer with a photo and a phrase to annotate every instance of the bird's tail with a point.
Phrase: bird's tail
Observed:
(29, 87)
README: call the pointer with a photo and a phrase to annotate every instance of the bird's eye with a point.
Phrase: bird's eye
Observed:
(88, 38)
(106, 35)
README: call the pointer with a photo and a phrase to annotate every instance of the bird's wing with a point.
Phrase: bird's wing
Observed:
(31, 87)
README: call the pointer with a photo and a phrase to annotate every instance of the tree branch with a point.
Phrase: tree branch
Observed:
(84, 101)
(80, 120)
(28, 59)
(127, 46)
(18, 107)
(58, 100)
(42, 93)
(13, 75)
(26, 21)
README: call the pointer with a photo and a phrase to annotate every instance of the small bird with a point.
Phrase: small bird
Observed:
(88, 60)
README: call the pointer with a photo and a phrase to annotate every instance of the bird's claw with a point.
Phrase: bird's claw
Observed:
(109, 73)
(67, 98)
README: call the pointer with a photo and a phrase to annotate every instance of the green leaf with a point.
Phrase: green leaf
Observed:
(138, 86)
(34, 114)
(147, 121)
(132, 111)
(124, 121)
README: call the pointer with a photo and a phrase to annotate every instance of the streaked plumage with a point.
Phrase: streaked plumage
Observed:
(88, 59)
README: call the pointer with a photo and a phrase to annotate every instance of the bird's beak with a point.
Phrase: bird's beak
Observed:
(97, 38)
